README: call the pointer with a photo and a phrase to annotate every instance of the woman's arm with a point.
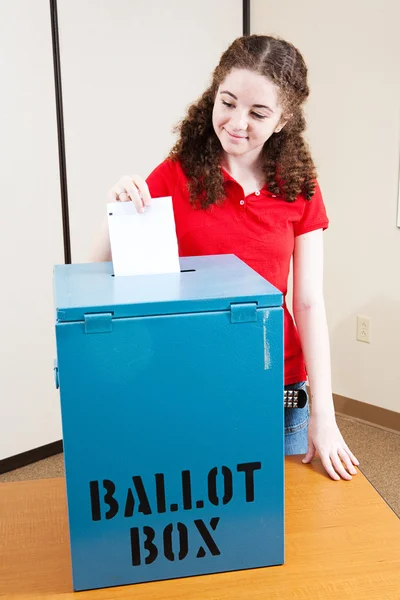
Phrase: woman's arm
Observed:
(310, 318)
(101, 249)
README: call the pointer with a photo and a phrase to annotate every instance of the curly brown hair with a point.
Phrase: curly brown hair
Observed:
(286, 159)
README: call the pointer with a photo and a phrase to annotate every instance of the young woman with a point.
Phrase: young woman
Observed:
(243, 182)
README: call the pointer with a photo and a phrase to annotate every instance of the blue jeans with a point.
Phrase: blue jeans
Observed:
(296, 424)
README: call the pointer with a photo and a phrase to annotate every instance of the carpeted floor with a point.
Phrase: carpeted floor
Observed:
(378, 451)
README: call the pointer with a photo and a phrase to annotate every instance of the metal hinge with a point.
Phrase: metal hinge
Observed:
(245, 312)
(98, 323)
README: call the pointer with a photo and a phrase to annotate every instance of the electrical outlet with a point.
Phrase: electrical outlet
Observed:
(363, 329)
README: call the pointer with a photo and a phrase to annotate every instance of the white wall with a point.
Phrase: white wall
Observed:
(129, 71)
(30, 228)
(353, 53)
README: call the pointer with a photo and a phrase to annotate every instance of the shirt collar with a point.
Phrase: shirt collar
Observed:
(228, 177)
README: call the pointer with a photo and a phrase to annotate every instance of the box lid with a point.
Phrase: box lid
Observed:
(206, 283)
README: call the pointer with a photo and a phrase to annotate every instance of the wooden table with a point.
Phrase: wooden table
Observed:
(342, 542)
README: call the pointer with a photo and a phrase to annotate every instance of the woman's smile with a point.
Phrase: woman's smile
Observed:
(235, 136)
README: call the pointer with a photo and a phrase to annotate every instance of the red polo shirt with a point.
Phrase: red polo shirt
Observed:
(259, 229)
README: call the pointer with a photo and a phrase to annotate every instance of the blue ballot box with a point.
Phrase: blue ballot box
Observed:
(171, 392)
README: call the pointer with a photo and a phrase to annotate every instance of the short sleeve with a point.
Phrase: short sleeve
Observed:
(162, 181)
(314, 215)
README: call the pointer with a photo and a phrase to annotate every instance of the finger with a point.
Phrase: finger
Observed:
(354, 460)
(123, 197)
(112, 196)
(327, 464)
(310, 453)
(122, 190)
(116, 192)
(339, 468)
(134, 195)
(143, 189)
(346, 459)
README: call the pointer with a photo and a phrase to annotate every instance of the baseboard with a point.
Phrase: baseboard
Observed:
(29, 457)
(367, 413)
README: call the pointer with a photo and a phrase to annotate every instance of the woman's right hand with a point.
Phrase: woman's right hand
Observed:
(131, 189)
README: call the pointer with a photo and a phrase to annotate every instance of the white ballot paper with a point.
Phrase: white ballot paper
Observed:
(145, 243)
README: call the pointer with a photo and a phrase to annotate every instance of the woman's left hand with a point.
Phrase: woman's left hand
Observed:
(325, 438)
